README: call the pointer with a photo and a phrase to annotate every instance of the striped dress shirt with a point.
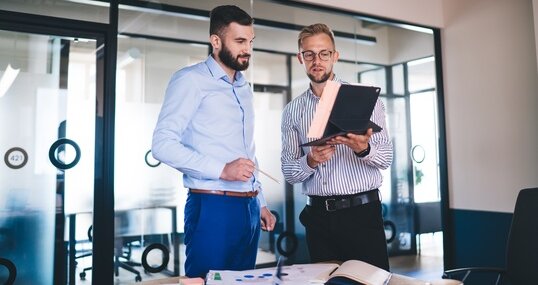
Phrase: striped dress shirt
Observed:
(345, 173)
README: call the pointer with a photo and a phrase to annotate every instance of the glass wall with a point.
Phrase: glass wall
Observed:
(47, 113)
(424, 118)
(154, 41)
(145, 190)
(87, 10)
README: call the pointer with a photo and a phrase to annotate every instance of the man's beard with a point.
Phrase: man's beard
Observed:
(228, 59)
(323, 78)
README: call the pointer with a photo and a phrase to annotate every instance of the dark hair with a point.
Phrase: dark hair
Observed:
(313, 30)
(221, 16)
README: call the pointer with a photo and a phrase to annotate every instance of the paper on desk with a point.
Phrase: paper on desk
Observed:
(297, 274)
(323, 110)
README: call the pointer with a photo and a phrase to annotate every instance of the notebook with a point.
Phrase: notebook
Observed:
(342, 109)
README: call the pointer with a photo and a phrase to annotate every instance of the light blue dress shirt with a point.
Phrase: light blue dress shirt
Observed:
(205, 122)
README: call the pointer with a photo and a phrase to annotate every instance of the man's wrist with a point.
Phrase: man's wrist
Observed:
(363, 152)
(310, 161)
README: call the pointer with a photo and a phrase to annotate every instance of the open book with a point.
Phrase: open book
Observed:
(358, 272)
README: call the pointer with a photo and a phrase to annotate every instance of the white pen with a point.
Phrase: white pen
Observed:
(388, 280)
(267, 174)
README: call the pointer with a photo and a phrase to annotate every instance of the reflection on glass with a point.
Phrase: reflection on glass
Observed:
(268, 107)
(34, 107)
(424, 151)
(79, 10)
(267, 69)
(398, 80)
(375, 77)
(149, 197)
(421, 74)
(51, 98)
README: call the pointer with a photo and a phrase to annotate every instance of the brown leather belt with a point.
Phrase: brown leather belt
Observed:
(333, 203)
(249, 194)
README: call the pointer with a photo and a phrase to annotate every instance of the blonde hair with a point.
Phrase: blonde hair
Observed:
(313, 30)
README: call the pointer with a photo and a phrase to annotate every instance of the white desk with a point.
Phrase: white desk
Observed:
(395, 280)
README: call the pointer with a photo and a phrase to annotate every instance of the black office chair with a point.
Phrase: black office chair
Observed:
(122, 257)
(84, 254)
(522, 246)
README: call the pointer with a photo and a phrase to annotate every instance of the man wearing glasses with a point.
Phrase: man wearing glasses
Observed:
(342, 216)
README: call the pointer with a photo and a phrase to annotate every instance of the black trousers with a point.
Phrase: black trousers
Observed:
(351, 233)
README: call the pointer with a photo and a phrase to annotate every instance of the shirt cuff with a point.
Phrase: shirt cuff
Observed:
(364, 152)
(304, 165)
(371, 153)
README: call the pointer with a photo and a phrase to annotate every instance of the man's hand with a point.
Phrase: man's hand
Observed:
(268, 220)
(319, 154)
(357, 143)
(240, 169)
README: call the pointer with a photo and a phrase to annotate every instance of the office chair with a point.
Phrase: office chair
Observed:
(122, 257)
(84, 254)
(522, 246)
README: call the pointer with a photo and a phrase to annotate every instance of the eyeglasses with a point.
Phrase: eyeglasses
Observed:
(324, 55)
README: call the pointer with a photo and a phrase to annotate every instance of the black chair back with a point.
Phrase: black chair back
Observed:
(522, 251)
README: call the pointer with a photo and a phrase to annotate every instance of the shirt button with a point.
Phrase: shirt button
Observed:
(324, 183)
(323, 165)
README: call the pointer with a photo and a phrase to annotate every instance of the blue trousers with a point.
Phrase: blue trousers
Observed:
(221, 233)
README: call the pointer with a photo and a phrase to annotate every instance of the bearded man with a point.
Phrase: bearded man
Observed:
(206, 131)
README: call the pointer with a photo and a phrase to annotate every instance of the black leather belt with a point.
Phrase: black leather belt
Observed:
(333, 203)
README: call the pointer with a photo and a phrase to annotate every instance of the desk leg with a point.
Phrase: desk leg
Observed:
(175, 241)
(72, 248)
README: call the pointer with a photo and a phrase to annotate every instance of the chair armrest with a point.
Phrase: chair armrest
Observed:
(466, 271)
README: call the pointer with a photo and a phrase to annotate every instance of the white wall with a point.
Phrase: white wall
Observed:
(491, 98)
(535, 13)
(491, 93)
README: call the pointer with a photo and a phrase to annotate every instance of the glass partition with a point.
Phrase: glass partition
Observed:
(47, 113)
(52, 98)
(86, 10)
(150, 197)
(424, 152)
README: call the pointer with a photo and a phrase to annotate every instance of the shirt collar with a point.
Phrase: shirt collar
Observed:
(216, 70)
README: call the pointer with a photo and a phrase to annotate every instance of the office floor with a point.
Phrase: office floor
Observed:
(426, 266)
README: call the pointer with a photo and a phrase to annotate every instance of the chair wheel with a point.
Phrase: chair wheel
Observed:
(138, 278)
(82, 275)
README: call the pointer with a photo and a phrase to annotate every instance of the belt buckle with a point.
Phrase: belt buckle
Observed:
(330, 207)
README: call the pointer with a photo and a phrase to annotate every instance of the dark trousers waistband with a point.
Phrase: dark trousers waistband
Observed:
(333, 203)
(249, 194)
